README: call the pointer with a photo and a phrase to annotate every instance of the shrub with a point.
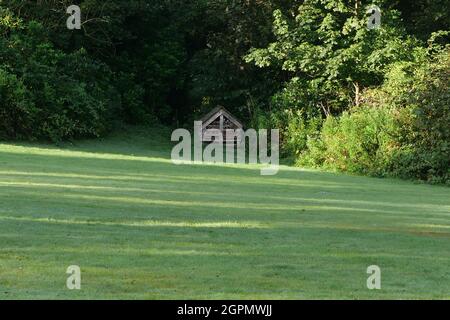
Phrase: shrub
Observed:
(49, 94)
(359, 141)
(16, 109)
(402, 129)
(425, 130)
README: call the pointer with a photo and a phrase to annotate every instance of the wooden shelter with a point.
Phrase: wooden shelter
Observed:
(217, 122)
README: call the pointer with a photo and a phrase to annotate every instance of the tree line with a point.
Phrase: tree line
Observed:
(344, 97)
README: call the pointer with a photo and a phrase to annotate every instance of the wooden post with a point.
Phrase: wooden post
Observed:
(221, 128)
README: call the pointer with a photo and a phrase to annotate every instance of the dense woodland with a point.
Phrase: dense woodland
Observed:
(365, 101)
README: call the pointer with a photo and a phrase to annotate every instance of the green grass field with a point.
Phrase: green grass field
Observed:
(142, 228)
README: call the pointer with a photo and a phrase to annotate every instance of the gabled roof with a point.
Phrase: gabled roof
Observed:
(215, 113)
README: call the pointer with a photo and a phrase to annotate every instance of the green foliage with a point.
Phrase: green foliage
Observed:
(424, 17)
(359, 141)
(329, 53)
(139, 41)
(401, 130)
(49, 94)
(275, 64)
(226, 32)
(384, 98)
(425, 152)
(142, 228)
(17, 111)
(296, 128)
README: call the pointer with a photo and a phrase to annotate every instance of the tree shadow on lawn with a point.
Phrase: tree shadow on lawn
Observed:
(288, 185)
(115, 194)
(52, 204)
(136, 141)
(92, 159)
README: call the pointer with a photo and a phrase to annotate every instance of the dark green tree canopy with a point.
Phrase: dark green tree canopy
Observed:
(274, 63)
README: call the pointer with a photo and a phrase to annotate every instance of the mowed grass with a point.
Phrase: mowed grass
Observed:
(142, 228)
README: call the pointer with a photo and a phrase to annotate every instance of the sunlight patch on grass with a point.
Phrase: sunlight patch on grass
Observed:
(5, 148)
(145, 223)
(84, 197)
(399, 228)
(140, 226)
(433, 226)
(90, 187)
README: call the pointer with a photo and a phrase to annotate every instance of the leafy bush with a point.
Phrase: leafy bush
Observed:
(359, 141)
(296, 128)
(328, 55)
(425, 130)
(17, 111)
(402, 129)
(49, 94)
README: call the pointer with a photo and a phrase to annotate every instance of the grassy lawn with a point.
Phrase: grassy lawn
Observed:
(142, 228)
